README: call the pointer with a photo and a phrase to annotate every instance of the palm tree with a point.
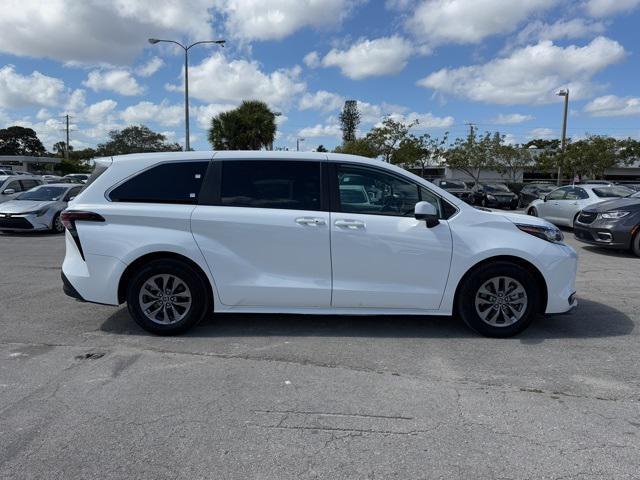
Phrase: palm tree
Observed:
(251, 126)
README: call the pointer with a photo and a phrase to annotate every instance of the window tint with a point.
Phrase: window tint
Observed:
(370, 191)
(271, 184)
(28, 184)
(165, 183)
(576, 194)
(73, 192)
(15, 185)
(558, 194)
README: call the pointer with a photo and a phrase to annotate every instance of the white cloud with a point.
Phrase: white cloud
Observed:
(119, 81)
(77, 101)
(529, 75)
(372, 113)
(163, 113)
(96, 113)
(311, 60)
(17, 91)
(424, 120)
(613, 106)
(469, 21)
(97, 31)
(275, 19)
(216, 80)
(43, 114)
(151, 67)
(321, 100)
(319, 130)
(204, 113)
(574, 28)
(367, 58)
(605, 8)
(512, 118)
(541, 133)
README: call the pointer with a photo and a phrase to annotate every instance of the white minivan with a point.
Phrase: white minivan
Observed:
(180, 235)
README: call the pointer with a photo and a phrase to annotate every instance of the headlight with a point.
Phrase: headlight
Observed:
(614, 214)
(550, 234)
(491, 197)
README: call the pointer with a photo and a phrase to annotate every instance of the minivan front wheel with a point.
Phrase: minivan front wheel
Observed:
(499, 299)
(167, 297)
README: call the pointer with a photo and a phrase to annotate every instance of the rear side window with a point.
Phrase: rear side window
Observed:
(29, 184)
(271, 184)
(178, 182)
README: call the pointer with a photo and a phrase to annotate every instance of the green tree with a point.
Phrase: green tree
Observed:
(349, 121)
(135, 139)
(420, 151)
(360, 146)
(251, 126)
(321, 149)
(472, 154)
(17, 140)
(510, 160)
(544, 144)
(386, 139)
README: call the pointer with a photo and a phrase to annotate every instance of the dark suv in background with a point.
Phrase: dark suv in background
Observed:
(457, 188)
(612, 224)
(534, 191)
(496, 195)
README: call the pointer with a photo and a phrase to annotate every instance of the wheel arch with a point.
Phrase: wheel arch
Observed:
(531, 268)
(137, 263)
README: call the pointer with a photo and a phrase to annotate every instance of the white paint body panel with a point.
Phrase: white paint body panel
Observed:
(263, 260)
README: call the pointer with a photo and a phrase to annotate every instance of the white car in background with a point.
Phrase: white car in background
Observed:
(562, 205)
(178, 236)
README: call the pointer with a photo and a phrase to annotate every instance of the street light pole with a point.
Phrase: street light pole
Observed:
(186, 49)
(563, 142)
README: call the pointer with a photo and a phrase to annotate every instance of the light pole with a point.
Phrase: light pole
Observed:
(298, 140)
(563, 142)
(186, 48)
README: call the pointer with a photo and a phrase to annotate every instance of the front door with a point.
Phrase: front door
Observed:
(551, 208)
(266, 236)
(381, 256)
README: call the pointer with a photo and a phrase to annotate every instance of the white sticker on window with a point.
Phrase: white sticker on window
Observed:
(192, 195)
(198, 175)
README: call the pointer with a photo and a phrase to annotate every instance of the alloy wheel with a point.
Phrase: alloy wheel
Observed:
(165, 299)
(501, 301)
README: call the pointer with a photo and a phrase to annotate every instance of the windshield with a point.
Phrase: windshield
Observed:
(43, 194)
(496, 187)
(450, 184)
(613, 192)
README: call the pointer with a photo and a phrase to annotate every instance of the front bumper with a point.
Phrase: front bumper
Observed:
(604, 233)
(21, 223)
(560, 275)
(499, 203)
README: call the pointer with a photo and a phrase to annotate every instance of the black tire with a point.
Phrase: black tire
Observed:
(199, 295)
(466, 299)
(483, 202)
(635, 244)
(533, 212)
(56, 224)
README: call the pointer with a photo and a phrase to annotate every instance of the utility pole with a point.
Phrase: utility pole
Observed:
(563, 142)
(298, 140)
(66, 149)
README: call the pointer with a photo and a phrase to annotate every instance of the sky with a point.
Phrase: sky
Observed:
(497, 64)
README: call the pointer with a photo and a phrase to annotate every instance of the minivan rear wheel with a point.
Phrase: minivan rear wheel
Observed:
(167, 297)
(499, 299)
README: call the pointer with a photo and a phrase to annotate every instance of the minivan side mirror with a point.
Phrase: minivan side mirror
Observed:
(9, 191)
(426, 211)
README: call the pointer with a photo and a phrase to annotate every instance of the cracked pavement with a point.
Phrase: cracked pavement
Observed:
(84, 393)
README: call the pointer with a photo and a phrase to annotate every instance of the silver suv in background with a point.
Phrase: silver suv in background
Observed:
(13, 185)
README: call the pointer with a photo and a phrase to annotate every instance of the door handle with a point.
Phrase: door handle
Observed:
(351, 224)
(310, 221)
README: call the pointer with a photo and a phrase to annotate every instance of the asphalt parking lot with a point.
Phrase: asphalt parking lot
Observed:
(84, 393)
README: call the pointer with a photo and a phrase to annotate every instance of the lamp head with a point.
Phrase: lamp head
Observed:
(153, 41)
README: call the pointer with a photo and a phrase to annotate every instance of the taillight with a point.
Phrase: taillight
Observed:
(70, 217)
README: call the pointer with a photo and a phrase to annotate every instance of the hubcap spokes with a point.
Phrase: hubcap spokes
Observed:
(501, 301)
(165, 299)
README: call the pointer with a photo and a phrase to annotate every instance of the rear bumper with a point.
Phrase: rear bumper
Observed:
(69, 289)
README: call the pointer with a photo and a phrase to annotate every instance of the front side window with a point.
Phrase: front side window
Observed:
(374, 192)
(576, 194)
(292, 185)
(558, 194)
(29, 184)
(177, 182)
(15, 185)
